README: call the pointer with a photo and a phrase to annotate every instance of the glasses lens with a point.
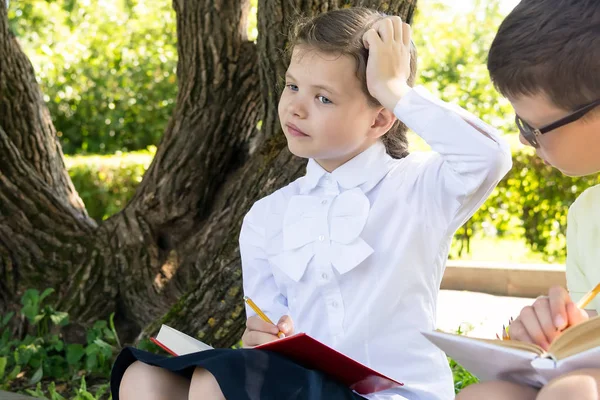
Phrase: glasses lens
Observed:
(527, 132)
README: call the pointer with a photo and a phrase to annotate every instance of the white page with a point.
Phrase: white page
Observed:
(179, 342)
(487, 361)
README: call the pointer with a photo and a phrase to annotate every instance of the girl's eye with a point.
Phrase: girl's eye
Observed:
(292, 87)
(324, 100)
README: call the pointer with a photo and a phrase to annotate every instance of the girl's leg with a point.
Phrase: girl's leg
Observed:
(581, 385)
(143, 381)
(497, 390)
(204, 386)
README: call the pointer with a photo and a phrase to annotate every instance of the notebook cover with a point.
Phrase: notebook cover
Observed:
(315, 355)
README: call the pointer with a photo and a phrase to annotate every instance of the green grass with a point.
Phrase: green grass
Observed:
(499, 250)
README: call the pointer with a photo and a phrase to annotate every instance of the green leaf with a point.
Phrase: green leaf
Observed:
(7, 318)
(37, 376)
(46, 293)
(3, 363)
(13, 374)
(74, 353)
(60, 318)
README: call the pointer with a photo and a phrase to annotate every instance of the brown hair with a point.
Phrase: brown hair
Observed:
(340, 32)
(549, 47)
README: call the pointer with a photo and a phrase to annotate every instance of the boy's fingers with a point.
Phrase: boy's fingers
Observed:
(559, 298)
(255, 323)
(575, 314)
(518, 332)
(544, 315)
(532, 326)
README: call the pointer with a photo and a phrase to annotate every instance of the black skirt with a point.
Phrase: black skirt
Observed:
(243, 374)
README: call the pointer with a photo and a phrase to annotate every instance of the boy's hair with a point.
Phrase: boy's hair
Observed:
(340, 32)
(549, 47)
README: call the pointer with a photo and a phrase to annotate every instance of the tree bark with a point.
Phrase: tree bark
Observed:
(171, 255)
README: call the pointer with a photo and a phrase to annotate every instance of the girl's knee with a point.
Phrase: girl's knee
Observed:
(205, 386)
(141, 380)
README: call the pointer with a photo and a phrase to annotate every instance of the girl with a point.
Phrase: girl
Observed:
(552, 80)
(353, 252)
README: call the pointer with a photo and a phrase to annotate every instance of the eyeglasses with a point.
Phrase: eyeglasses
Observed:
(531, 134)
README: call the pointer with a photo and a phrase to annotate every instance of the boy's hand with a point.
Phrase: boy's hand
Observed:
(260, 332)
(388, 66)
(549, 315)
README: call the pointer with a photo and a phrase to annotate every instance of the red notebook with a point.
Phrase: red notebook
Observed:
(302, 349)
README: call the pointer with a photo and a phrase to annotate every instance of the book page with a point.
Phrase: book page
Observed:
(577, 339)
(488, 360)
(179, 342)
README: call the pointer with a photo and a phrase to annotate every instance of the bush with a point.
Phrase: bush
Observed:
(107, 69)
(530, 203)
(106, 183)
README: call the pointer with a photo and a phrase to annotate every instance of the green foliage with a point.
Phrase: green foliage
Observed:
(107, 69)
(43, 355)
(106, 183)
(452, 55)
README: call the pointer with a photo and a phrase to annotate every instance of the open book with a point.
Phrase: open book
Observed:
(577, 347)
(302, 349)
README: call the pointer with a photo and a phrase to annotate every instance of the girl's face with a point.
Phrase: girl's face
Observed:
(574, 149)
(324, 112)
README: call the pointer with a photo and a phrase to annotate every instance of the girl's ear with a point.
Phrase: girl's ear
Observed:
(383, 123)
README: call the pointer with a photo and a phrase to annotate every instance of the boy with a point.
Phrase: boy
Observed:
(546, 60)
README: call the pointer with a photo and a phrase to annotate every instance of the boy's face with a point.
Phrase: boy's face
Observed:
(323, 110)
(574, 149)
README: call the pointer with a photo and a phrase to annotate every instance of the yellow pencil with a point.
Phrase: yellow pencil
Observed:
(585, 300)
(261, 314)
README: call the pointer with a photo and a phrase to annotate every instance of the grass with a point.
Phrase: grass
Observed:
(499, 250)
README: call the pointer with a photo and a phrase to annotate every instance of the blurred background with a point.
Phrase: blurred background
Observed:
(108, 73)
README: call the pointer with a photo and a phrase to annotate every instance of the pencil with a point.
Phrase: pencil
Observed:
(261, 314)
(585, 300)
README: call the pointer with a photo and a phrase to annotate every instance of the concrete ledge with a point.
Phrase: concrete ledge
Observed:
(502, 279)
(13, 396)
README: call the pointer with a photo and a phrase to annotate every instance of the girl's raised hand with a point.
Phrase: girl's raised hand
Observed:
(388, 66)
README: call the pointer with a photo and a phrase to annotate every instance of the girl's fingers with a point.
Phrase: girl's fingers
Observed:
(256, 338)
(255, 323)
(406, 34)
(371, 38)
(385, 29)
(286, 325)
(398, 29)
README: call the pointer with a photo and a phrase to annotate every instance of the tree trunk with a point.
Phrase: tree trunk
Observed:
(171, 255)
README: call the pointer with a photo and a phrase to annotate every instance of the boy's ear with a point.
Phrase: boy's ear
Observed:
(382, 123)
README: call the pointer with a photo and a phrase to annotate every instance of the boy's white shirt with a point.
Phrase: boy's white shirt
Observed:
(583, 246)
(356, 256)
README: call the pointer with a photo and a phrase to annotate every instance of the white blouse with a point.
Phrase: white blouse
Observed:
(356, 256)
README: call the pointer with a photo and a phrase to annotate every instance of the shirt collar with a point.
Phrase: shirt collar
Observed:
(364, 171)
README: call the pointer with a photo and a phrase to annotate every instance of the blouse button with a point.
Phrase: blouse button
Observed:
(324, 202)
(334, 304)
(321, 238)
(324, 276)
